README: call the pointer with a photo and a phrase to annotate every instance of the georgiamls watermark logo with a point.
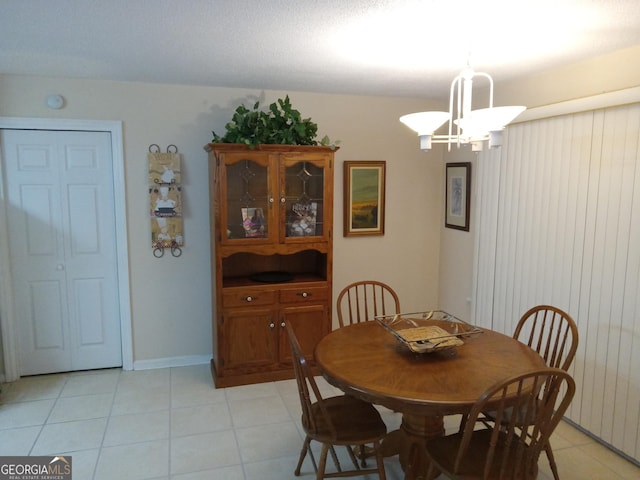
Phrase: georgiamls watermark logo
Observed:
(35, 468)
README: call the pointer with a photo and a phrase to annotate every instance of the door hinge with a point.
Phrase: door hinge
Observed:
(221, 319)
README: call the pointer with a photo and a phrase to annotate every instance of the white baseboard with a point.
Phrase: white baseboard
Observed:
(171, 362)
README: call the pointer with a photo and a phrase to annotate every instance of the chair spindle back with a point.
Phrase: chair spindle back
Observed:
(551, 332)
(365, 300)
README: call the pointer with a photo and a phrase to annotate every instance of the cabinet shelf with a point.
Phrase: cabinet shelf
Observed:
(298, 278)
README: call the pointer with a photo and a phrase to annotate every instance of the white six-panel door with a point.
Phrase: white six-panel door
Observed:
(63, 251)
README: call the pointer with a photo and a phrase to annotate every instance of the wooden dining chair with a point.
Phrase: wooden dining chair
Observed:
(552, 333)
(365, 300)
(335, 421)
(509, 448)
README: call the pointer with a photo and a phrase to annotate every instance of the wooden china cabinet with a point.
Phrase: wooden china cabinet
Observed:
(271, 262)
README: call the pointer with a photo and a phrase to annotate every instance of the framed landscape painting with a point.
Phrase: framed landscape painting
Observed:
(458, 198)
(364, 190)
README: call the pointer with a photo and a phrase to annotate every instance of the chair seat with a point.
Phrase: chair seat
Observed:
(359, 421)
(443, 452)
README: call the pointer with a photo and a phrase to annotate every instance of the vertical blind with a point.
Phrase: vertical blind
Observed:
(558, 215)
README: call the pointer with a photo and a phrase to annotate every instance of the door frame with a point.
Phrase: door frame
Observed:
(8, 320)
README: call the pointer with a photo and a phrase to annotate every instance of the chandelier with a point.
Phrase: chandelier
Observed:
(471, 126)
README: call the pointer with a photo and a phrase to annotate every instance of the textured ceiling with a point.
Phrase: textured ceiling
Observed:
(378, 47)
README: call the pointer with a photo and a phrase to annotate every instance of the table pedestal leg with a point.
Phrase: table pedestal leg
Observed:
(416, 430)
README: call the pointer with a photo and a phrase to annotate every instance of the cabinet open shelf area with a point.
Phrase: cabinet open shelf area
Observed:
(271, 234)
(242, 268)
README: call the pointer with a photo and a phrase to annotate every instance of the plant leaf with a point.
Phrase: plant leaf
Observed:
(279, 124)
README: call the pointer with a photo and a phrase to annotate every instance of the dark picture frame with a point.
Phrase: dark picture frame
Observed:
(458, 195)
(364, 197)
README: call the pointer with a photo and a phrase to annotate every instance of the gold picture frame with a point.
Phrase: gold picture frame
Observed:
(364, 197)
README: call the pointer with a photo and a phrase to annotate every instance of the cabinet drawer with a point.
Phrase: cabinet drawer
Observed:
(304, 294)
(246, 297)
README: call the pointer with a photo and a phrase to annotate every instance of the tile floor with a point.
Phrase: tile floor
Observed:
(173, 424)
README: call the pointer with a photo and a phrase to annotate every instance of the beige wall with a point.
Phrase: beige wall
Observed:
(607, 73)
(617, 71)
(172, 319)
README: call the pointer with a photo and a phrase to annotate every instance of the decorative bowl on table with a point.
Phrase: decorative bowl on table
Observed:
(428, 331)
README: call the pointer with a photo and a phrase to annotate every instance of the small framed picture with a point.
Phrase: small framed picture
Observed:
(302, 219)
(458, 197)
(364, 190)
(166, 200)
(253, 222)
(166, 232)
(164, 168)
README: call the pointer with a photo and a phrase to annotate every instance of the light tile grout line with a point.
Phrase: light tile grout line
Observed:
(233, 429)
(44, 423)
(235, 435)
(106, 428)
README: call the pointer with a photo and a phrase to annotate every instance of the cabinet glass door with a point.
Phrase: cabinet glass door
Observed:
(304, 199)
(247, 212)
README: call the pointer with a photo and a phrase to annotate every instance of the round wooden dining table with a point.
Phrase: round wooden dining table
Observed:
(367, 361)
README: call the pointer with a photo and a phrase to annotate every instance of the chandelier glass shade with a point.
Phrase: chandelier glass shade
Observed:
(471, 126)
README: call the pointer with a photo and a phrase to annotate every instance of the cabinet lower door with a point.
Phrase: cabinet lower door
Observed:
(310, 324)
(249, 339)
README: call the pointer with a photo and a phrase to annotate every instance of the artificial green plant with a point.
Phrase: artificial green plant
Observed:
(280, 124)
